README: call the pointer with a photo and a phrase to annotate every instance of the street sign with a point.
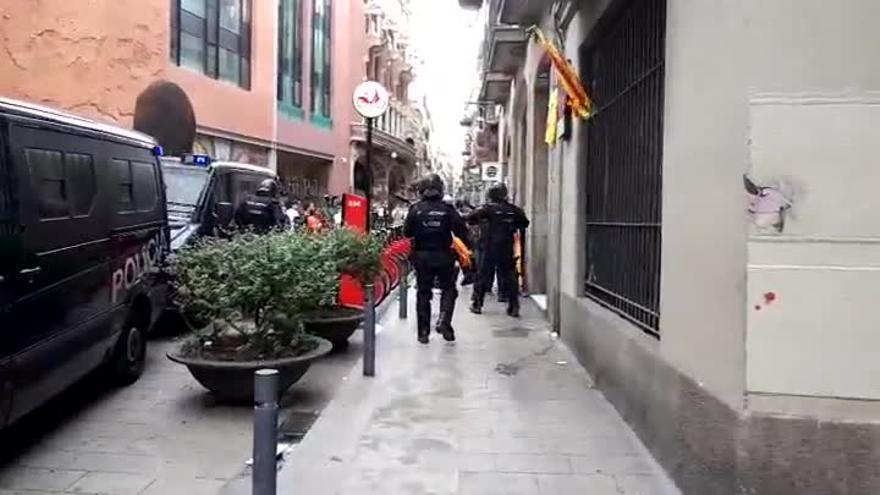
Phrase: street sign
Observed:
(370, 99)
(491, 172)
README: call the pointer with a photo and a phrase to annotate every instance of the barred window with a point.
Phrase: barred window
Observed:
(624, 69)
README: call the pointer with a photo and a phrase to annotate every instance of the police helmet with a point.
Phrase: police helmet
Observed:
(268, 187)
(498, 193)
(431, 186)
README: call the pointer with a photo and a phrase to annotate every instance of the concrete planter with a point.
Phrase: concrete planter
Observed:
(234, 381)
(337, 325)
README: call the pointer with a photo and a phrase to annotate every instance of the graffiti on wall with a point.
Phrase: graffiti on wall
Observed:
(769, 205)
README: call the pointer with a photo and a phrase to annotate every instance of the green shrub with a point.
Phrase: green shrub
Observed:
(252, 288)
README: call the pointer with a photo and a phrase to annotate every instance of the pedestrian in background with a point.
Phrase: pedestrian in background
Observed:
(431, 224)
(293, 214)
(502, 221)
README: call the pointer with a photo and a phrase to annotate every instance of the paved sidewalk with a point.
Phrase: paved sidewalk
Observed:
(505, 410)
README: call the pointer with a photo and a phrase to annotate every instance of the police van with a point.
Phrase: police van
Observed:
(203, 194)
(83, 236)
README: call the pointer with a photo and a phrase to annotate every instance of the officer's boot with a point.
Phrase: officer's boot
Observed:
(513, 302)
(423, 315)
(447, 308)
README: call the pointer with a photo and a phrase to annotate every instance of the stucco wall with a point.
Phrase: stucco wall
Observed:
(533, 197)
(685, 394)
(703, 282)
(93, 61)
(815, 135)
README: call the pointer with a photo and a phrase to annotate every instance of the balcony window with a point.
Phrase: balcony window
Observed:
(213, 37)
(321, 62)
(290, 57)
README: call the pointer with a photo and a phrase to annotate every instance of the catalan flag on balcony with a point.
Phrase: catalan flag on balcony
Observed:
(578, 99)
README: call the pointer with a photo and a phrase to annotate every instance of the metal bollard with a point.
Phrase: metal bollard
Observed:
(404, 289)
(369, 332)
(265, 432)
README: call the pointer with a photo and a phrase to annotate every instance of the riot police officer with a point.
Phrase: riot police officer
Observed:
(431, 223)
(502, 221)
(261, 211)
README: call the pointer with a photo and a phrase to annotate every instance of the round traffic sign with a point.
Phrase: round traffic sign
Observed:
(370, 99)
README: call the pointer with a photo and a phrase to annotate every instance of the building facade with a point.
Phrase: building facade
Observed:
(400, 135)
(270, 81)
(706, 240)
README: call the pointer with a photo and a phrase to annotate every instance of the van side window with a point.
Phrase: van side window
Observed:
(80, 172)
(65, 183)
(47, 171)
(138, 186)
(125, 186)
(146, 187)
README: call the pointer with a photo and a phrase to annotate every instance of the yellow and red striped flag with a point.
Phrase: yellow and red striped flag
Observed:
(578, 99)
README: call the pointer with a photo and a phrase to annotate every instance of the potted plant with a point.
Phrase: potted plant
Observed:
(244, 287)
(338, 252)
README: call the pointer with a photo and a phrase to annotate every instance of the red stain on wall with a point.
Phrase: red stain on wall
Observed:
(769, 297)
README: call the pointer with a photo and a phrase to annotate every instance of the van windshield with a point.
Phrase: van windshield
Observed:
(184, 184)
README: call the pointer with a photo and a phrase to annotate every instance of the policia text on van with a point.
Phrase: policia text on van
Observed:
(83, 232)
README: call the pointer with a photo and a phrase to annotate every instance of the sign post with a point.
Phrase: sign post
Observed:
(370, 100)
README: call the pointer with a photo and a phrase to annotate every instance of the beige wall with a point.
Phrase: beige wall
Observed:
(744, 95)
(703, 279)
(814, 120)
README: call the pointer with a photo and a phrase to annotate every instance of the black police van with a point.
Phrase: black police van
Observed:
(203, 195)
(83, 235)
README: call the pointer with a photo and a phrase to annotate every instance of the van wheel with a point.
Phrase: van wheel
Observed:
(129, 355)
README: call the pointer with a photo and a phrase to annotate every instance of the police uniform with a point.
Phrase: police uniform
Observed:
(502, 221)
(261, 211)
(431, 224)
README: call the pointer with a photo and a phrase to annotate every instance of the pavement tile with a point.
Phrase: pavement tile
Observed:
(41, 457)
(401, 482)
(533, 463)
(185, 486)
(501, 444)
(25, 478)
(459, 460)
(111, 484)
(568, 484)
(614, 464)
(498, 484)
(645, 485)
(115, 463)
(27, 492)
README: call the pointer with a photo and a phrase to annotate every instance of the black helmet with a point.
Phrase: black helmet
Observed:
(498, 193)
(431, 186)
(268, 187)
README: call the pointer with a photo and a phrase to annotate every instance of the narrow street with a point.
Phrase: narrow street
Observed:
(505, 410)
(164, 435)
